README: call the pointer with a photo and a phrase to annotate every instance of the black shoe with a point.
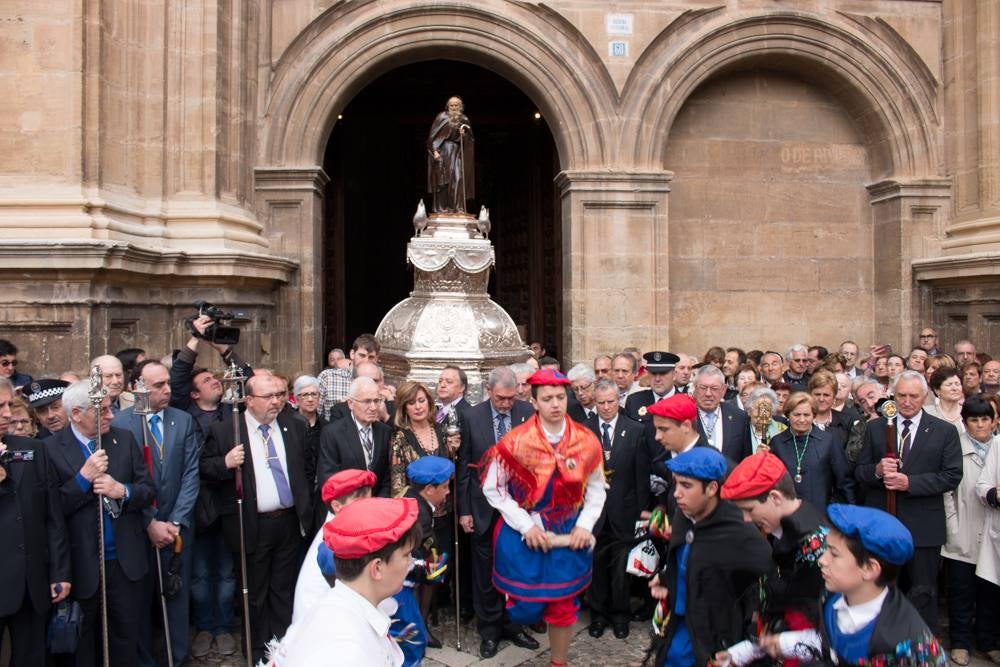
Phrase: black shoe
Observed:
(434, 642)
(488, 648)
(524, 640)
(467, 616)
(596, 629)
(621, 630)
(642, 614)
(539, 628)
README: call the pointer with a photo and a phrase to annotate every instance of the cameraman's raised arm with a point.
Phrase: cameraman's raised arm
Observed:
(181, 377)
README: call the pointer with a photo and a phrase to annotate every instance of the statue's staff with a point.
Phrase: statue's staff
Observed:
(452, 430)
(97, 394)
(888, 410)
(141, 407)
(235, 383)
(761, 419)
(461, 151)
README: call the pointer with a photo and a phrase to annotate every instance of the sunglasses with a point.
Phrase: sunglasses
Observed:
(9, 362)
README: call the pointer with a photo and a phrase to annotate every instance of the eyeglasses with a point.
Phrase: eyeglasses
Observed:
(276, 396)
(928, 335)
(583, 387)
(20, 422)
(9, 362)
(309, 394)
(369, 402)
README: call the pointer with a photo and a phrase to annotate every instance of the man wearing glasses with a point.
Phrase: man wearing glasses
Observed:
(8, 365)
(360, 441)
(270, 458)
(929, 341)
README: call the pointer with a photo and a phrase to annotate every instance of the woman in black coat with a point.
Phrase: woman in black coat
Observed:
(813, 457)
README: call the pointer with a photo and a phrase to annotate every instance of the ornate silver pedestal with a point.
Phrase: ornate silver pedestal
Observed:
(448, 318)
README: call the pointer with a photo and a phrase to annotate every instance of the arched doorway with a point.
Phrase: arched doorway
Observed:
(377, 164)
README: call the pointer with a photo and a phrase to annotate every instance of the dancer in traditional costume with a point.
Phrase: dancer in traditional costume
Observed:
(546, 478)
(866, 620)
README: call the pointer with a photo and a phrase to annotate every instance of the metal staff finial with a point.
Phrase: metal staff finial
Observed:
(140, 392)
(97, 389)
(234, 380)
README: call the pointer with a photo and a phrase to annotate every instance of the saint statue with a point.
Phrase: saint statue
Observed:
(450, 169)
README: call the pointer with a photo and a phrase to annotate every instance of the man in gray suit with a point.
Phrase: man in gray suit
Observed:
(172, 457)
(482, 426)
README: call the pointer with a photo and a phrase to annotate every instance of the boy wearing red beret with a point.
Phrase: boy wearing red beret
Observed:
(789, 599)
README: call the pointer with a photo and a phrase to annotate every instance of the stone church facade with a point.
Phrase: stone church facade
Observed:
(755, 172)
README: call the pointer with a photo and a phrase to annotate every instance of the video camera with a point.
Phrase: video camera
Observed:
(216, 332)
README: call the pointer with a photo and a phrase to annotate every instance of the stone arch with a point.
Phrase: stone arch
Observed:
(879, 79)
(352, 43)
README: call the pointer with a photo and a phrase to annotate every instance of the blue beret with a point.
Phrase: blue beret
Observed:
(704, 463)
(430, 470)
(880, 533)
(324, 558)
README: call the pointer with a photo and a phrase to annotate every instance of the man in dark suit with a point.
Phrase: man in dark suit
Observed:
(723, 425)
(660, 367)
(35, 557)
(450, 391)
(171, 449)
(482, 426)
(83, 472)
(277, 511)
(922, 465)
(626, 467)
(360, 441)
(583, 378)
(674, 421)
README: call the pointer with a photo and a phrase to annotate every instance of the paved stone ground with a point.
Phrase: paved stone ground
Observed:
(585, 651)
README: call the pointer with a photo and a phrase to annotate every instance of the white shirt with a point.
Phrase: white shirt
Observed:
(342, 628)
(518, 518)
(267, 490)
(716, 439)
(362, 431)
(311, 584)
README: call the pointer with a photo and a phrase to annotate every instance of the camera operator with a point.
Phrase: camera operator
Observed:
(35, 556)
(213, 581)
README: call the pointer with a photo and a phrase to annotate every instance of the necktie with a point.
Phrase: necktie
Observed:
(709, 424)
(501, 425)
(441, 416)
(606, 438)
(154, 428)
(277, 472)
(92, 446)
(369, 447)
(904, 441)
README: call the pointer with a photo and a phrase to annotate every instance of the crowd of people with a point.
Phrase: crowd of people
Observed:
(805, 505)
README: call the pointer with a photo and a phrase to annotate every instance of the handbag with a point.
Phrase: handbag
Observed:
(65, 627)
(643, 559)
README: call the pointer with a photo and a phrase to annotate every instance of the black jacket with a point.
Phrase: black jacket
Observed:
(477, 438)
(934, 468)
(34, 529)
(735, 432)
(79, 507)
(627, 469)
(798, 584)
(826, 475)
(727, 557)
(340, 449)
(578, 413)
(222, 480)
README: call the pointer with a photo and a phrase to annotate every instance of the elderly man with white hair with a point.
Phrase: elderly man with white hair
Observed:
(723, 425)
(583, 378)
(797, 374)
(113, 377)
(360, 441)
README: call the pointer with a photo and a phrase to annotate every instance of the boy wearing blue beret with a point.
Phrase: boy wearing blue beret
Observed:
(713, 562)
(866, 620)
(429, 478)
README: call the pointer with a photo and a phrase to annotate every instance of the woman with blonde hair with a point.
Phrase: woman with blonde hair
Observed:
(815, 461)
(417, 435)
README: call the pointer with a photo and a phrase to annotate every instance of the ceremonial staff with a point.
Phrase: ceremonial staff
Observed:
(453, 430)
(97, 394)
(762, 419)
(235, 383)
(888, 410)
(141, 407)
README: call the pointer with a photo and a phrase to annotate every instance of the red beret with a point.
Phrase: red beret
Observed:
(346, 481)
(367, 525)
(548, 377)
(679, 407)
(754, 476)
